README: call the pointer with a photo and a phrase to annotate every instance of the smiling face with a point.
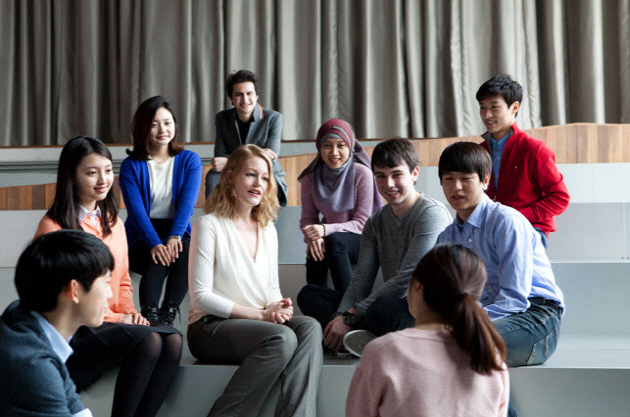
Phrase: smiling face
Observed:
(334, 152)
(162, 129)
(497, 116)
(396, 185)
(251, 182)
(244, 99)
(463, 191)
(93, 179)
(93, 304)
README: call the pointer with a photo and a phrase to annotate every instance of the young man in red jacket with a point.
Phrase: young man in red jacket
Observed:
(524, 172)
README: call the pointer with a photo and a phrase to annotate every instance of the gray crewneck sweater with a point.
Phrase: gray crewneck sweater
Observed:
(396, 245)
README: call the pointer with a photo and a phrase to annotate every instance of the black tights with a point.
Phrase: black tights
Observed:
(146, 375)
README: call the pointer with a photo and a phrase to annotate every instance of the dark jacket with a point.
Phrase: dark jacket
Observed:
(34, 382)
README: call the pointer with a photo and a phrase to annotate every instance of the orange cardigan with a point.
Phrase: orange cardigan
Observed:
(122, 299)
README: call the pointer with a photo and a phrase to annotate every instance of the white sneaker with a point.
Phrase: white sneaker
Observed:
(356, 340)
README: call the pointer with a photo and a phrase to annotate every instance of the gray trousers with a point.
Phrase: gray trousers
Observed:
(266, 352)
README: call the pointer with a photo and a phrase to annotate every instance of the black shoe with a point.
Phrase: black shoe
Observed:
(168, 311)
(150, 312)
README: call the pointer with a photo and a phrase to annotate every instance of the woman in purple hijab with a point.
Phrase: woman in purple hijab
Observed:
(338, 195)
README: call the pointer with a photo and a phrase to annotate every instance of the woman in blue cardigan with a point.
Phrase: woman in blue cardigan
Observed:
(160, 183)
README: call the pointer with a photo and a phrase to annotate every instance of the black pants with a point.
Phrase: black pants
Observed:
(153, 275)
(342, 251)
(386, 314)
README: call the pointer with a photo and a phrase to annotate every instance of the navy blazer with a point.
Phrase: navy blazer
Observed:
(265, 132)
(33, 379)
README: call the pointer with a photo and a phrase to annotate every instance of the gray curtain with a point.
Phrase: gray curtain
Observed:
(391, 68)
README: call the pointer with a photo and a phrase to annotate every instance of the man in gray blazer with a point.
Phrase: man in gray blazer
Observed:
(246, 122)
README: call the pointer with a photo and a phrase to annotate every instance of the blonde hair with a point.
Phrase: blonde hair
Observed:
(222, 201)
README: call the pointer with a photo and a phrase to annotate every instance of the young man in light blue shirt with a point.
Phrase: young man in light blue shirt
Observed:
(62, 279)
(521, 295)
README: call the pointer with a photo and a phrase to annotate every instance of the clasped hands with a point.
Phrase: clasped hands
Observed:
(167, 254)
(279, 312)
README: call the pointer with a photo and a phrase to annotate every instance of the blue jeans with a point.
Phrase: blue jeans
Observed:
(543, 237)
(531, 337)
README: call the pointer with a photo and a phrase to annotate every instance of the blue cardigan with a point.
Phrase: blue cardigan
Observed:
(136, 190)
(34, 382)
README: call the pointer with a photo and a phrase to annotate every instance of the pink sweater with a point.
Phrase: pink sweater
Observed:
(348, 221)
(423, 373)
(122, 298)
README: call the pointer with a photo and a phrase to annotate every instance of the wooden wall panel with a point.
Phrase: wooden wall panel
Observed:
(573, 143)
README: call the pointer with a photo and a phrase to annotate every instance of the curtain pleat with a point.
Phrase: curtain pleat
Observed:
(391, 68)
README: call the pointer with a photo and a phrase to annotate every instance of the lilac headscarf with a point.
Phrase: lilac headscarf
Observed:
(335, 187)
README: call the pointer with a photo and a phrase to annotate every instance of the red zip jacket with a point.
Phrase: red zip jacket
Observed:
(529, 180)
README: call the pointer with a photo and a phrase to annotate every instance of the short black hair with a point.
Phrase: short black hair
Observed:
(51, 261)
(501, 85)
(241, 76)
(393, 152)
(465, 157)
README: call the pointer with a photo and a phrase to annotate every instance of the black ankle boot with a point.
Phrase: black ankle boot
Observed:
(168, 311)
(150, 312)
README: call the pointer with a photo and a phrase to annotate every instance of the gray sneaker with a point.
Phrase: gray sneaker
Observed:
(356, 340)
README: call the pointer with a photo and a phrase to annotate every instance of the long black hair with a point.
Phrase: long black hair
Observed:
(64, 209)
(453, 278)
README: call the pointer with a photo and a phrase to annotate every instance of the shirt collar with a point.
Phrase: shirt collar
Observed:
(476, 217)
(94, 215)
(59, 345)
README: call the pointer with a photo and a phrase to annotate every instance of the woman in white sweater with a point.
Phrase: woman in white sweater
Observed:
(237, 313)
(450, 363)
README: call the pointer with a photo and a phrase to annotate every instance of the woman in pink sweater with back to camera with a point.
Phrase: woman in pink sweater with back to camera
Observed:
(451, 363)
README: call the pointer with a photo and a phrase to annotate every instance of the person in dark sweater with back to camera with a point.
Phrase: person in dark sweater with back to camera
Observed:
(393, 239)
(524, 172)
(62, 279)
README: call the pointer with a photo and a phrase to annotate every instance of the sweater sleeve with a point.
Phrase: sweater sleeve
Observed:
(364, 200)
(186, 191)
(310, 213)
(429, 224)
(132, 188)
(366, 388)
(201, 277)
(555, 195)
(365, 272)
(124, 288)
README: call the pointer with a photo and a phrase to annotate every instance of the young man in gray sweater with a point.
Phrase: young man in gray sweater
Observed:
(393, 239)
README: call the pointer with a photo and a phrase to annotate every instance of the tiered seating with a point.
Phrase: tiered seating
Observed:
(590, 371)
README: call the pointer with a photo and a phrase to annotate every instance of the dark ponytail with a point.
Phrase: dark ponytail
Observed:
(453, 278)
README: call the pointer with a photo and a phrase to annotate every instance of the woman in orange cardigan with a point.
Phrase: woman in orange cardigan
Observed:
(148, 355)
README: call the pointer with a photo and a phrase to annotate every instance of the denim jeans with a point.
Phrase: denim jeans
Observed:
(543, 237)
(531, 337)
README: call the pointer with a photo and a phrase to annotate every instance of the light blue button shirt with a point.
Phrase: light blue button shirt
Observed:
(496, 150)
(515, 259)
(57, 342)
